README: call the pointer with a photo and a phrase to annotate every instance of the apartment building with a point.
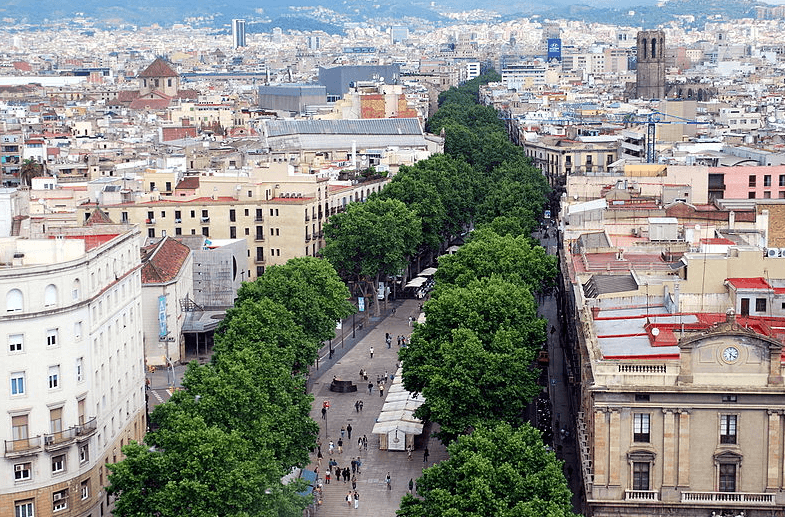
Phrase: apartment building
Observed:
(560, 157)
(74, 392)
(279, 213)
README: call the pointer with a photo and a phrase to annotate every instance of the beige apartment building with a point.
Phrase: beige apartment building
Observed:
(280, 214)
(559, 157)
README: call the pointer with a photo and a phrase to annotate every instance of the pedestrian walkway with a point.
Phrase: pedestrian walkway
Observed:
(375, 498)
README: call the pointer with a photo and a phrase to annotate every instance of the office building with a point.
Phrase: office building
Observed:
(238, 33)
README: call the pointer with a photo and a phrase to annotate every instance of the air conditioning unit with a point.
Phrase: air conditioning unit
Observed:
(49, 440)
(772, 252)
(19, 468)
(57, 496)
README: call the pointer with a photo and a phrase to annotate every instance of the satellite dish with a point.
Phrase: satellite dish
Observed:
(655, 332)
(381, 79)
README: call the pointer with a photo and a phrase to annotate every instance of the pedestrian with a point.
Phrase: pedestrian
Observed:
(399, 340)
(370, 388)
(354, 466)
(365, 442)
(361, 406)
(331, 353)
(340, 445)
(361, 373)
(389, 341)
(425, 455)
(359, 464)
(319, 456)
(349, 498)
(411, 485)
(409, 453)
(371, 350)
(357, 406)
(381, 390)
(410, 321)
(327, 477)
(324, 413)
(386, 336)
(385, 376)
(356, 500)
(388, 481)
(346, 475)
(330, 447)
(553, 329)
(343, 432)
(349, 431)
(359, 442)
(354, 482)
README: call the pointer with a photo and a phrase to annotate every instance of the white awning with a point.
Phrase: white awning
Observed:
(416, 282)
(429, 271)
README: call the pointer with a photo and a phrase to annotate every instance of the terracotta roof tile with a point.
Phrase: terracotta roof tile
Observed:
(158, 68)
(161, 262)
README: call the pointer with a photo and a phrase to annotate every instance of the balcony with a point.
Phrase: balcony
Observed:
(85, 430)
(259, 238)
(641, 495)
(259, 260)
(23, 447)
(178, 220)
(205, 220)
(149, 221)
(307, 218)
(55, 441)
(731, 498)
(307, 238)
(258, 219)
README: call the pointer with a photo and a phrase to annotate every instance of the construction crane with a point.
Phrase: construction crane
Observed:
(651, 120)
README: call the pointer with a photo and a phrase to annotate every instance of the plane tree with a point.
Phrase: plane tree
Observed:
(498, 470)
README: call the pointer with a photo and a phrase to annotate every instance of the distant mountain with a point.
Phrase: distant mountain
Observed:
(332, 15)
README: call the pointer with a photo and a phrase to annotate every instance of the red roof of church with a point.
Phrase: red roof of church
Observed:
(158, 68)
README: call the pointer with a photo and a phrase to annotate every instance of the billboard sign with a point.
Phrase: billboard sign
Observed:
(554, 49)
(162, 318)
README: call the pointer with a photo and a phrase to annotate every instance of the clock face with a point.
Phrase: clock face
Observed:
(730, 354)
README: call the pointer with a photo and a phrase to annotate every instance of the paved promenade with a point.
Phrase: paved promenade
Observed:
(375, 499)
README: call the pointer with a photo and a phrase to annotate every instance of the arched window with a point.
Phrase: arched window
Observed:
(13, 300)
(645, 48)
(654, 48)
(50, 296)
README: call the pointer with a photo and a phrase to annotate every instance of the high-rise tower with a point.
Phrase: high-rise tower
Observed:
(650, 78)
(238, 33)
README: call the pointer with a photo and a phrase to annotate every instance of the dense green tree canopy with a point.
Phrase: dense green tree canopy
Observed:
(512, 258)
(309, 288)
(372, 240)
(498, 471)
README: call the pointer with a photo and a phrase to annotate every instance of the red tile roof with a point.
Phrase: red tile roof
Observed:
(98, 217)
(158, 68)
(749, 283)
(161, 262)
(189, 182)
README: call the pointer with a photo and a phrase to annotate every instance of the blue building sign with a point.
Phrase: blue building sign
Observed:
(554, 49)
(162, 318)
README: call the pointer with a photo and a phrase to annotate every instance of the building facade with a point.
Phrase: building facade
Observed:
(73, 364)
(650, 75)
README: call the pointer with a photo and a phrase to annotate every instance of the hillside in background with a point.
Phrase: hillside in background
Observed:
(333, 16)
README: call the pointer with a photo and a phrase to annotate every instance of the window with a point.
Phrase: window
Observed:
(729, 398)
(54, 377)
(13, 300)
(766, 195)
(728, 428)
(767, 180)
(58, 463)
(151, 232)
(19, 427)
(78, 330)
(59, 500)
(84, 453)
(79, 369)
(641, 427)
(752, 180)
(151, 214)
(85, 489)
(177, 216)
(640, 475)
(782, 180)
(178, 231)
(248, 231)
(205, 214)
(727, 477)
(246, 212)
(232, 215)
(23, 509)
(16, 342)
(751, 195)
(760, 304)
(163, 214)
(18, 383)
(206, 231)
(232, 232)
(76, 290)
(56, 421)
(124, 217)
(23, 471)
(193, 214)
(51, 337)
(50, 296)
